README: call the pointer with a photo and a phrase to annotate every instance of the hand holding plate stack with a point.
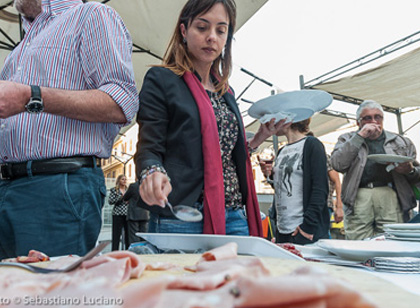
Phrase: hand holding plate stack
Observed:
(390, 159)
(293, 106)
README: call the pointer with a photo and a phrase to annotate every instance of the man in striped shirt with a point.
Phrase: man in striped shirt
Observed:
(65, 92)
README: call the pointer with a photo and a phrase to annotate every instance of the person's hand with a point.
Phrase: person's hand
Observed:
(266, 165)
(370, 131)
(268, 129)
(338, 214)
(273, 128)
(304, 234)
(13, 98)
(155, 188)
(404, 168)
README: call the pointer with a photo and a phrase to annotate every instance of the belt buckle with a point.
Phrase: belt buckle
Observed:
(370, 185)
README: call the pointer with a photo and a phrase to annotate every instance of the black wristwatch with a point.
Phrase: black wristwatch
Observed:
(35, 104)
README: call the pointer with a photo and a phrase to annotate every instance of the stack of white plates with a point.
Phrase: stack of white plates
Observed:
(363, 250)
(294, 106)
(403, 232)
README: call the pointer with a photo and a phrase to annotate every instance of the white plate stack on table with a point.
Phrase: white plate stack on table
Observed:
(294, 106)
(403, 232)
(364, 250)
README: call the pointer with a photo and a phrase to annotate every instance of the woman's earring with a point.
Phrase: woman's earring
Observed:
(184, 40)
(223, 53)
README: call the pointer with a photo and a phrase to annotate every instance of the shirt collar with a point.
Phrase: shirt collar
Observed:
(59, 6)
(52, 7)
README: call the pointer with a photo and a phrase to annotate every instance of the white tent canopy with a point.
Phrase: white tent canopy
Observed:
(393, 84)
(150, 23)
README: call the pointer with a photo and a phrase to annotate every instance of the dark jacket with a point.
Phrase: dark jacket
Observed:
(316, 218)
(170, 135)
(135, 212)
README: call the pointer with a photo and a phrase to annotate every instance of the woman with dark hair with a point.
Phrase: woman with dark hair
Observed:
(301, 186)
(119, 211)
(192, 148)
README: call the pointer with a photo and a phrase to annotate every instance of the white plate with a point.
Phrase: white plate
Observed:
(300, 105)
(407, 226)
(363, 250)
(389, 158)
(401, 238)
(401, 233)
(247, 245)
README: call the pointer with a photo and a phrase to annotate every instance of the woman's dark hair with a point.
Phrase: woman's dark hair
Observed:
(302, 126)
(177, 58)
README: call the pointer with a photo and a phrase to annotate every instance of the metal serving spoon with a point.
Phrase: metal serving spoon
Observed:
(185, 213)
(69, 268)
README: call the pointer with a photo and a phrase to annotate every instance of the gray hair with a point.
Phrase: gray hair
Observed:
(368, 104)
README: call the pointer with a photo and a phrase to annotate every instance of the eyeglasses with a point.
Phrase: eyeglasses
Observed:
(376, 117)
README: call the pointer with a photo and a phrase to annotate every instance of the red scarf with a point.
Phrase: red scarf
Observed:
(214, 193)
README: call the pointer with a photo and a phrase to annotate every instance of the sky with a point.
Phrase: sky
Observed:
(288, 38)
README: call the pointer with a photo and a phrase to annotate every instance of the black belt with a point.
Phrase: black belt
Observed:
(47, 166)
(375, 184)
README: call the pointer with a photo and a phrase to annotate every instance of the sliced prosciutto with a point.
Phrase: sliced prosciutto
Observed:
(32, 257)
(227, 251)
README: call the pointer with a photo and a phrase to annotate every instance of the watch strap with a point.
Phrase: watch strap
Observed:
(35, 92)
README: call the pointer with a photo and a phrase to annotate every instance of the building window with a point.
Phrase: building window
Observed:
(113, 174)
(129, 170)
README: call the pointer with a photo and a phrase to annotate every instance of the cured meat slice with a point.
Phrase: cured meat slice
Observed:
(42, 257)
(218, 298)
(216, 277)
(222, 264)
(32, 257)
(297, 290)
(145, 294)
(134, 263)
(291, 248)
(227, 251)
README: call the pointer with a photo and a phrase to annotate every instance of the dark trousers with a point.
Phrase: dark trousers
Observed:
(119, 222)
(288, 238)
(135, 226)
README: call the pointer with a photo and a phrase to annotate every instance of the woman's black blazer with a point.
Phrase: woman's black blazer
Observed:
(170, 135)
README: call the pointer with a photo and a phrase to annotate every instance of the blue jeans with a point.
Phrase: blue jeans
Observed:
(236, 224)
(58, 214)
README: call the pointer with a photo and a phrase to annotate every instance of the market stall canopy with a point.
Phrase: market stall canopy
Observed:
(150, 22)
(321, 124)
(392, 84)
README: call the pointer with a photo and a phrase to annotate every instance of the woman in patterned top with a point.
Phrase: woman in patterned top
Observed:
(191, 130)
(119, 212)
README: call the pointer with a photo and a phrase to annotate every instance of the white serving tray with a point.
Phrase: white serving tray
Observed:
(247, 245)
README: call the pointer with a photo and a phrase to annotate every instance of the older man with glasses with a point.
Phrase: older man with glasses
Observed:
(372, 194)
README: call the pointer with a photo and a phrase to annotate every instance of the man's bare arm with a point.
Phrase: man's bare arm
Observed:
(84, 105)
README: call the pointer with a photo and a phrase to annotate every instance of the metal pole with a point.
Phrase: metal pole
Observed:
(275, 138)
(399, 121)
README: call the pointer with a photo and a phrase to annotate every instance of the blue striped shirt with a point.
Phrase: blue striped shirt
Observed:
(72, 46)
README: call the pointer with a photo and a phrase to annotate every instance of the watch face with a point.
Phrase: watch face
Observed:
(35, 106)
